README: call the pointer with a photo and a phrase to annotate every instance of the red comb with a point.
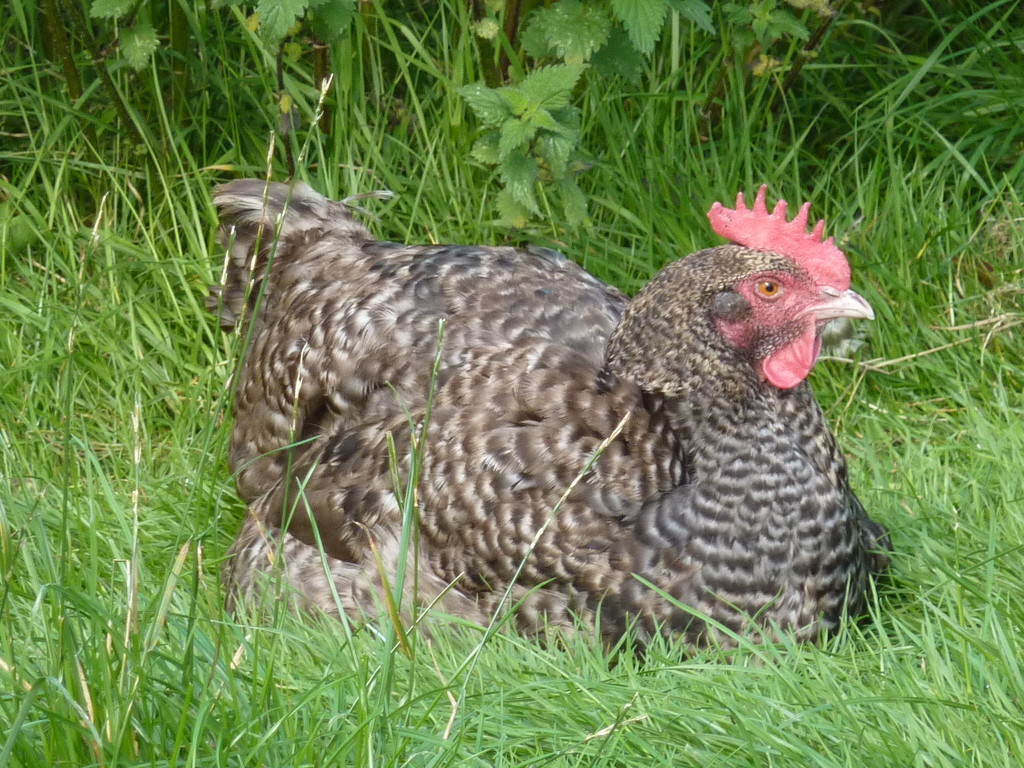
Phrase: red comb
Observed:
(756, 228)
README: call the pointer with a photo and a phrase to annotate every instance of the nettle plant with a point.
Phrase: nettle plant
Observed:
(531, 128)
(531, 135)
(534, 57)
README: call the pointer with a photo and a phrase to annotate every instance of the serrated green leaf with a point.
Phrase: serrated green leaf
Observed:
(110, 9)
(485, 149)
(551, 87)
(138, 43)
(782, 23)
(569, 29)
(567, 129)
(569, 114)
(514, 99)
(514, 134)
(519, 174)
(760, 28)
(694, 11)
(486, 103)
(511, 212)
(534, 40)
(574, 202)
(555, 150)
(331, 20)
(543, 119)
(619, 57)
(277, 17)
(569, 119)
(737, 14)
(643, 20)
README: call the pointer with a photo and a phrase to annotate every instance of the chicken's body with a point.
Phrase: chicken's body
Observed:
(726, 493)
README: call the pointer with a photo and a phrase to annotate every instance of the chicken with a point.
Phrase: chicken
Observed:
(657, 463)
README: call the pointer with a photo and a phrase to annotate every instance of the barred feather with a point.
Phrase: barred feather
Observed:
(728, 495)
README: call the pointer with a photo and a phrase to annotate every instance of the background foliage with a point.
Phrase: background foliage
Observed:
(602, 129)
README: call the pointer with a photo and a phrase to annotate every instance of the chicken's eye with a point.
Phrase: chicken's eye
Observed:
(769, 289)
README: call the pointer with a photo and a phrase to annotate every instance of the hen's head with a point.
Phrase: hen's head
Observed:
(752, 311)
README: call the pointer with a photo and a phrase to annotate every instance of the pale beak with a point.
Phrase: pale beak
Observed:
(834, 304)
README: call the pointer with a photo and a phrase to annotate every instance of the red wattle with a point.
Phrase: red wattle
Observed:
(787, 367)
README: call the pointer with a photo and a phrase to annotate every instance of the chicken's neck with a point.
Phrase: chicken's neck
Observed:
(760, 523)
(717, 414)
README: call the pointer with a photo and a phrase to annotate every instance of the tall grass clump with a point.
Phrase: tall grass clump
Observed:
(902, 123)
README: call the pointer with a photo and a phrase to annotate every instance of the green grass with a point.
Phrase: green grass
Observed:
(116, 504)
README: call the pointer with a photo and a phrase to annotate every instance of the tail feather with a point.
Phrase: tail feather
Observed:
(255, 217)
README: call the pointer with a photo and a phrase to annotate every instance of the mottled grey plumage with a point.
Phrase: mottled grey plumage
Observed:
(727, 493)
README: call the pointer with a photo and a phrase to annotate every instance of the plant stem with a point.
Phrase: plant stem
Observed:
(99, 60)
(59, 47)
(805, 53)
(179, 36)
(492, 74)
